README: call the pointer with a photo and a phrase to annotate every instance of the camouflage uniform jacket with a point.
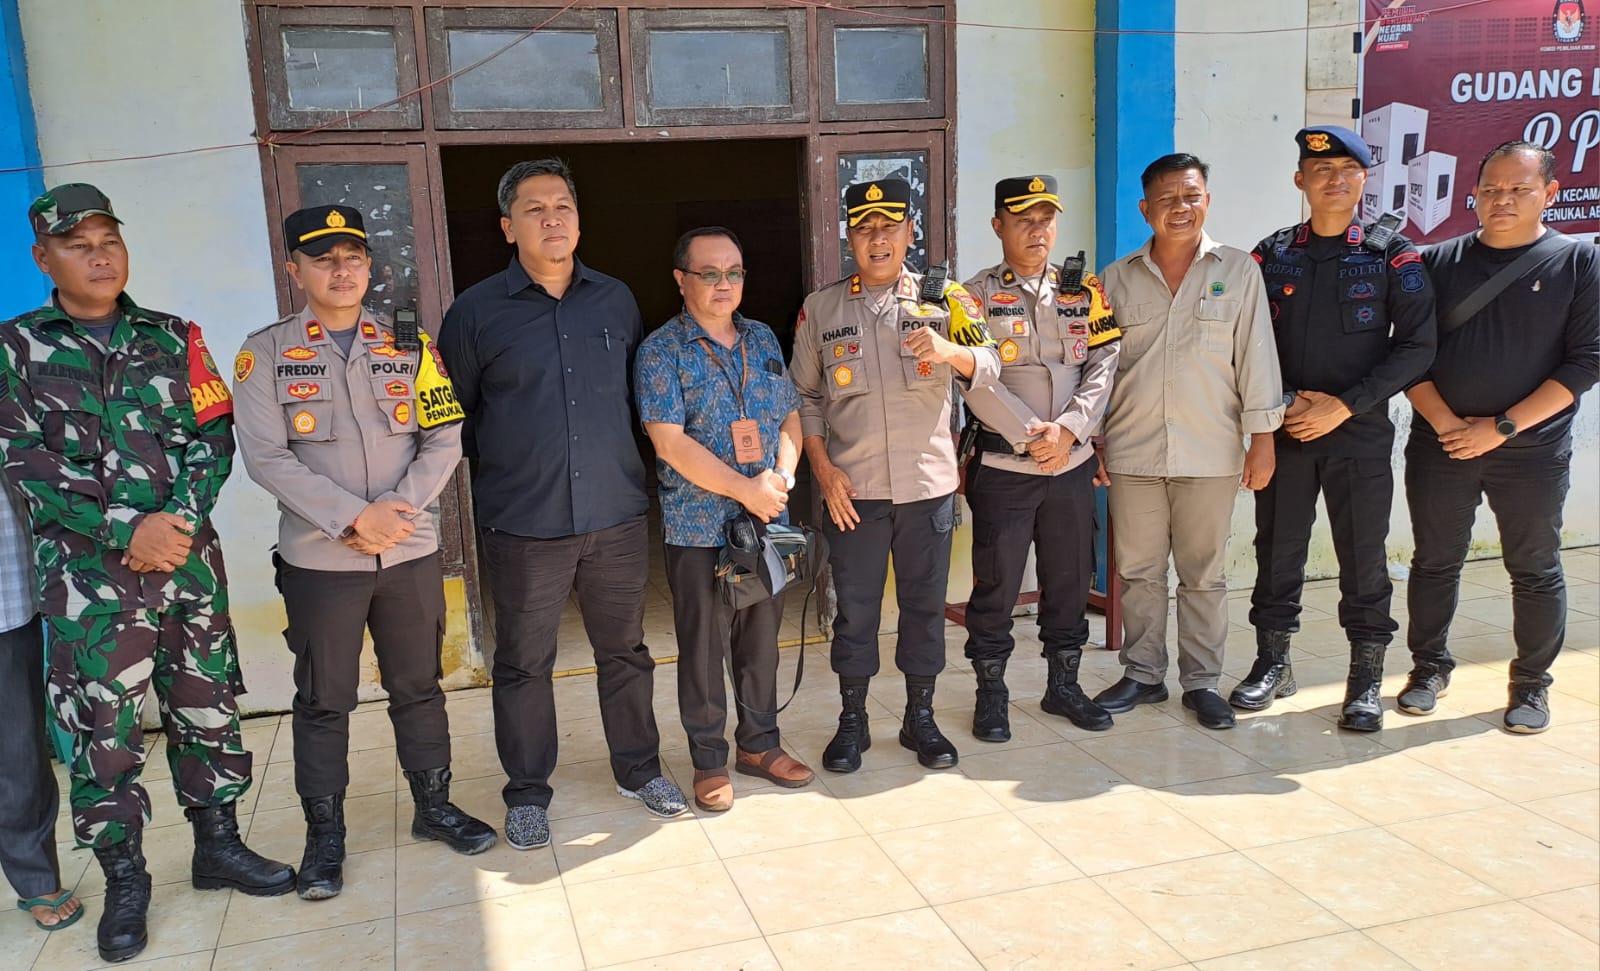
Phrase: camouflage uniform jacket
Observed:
(95, 437)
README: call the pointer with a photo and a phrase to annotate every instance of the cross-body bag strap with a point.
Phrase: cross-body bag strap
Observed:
(1453, 319)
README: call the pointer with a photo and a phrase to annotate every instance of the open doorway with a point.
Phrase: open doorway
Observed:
(635, 200)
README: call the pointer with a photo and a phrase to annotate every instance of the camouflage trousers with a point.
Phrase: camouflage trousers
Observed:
(100, 669)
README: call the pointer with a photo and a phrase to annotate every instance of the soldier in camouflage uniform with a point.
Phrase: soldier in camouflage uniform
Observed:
(116, 433)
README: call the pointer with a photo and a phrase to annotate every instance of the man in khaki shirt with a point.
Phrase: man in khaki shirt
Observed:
(1058, 353)
(874, 364)
(1198, 372)
(353, 426)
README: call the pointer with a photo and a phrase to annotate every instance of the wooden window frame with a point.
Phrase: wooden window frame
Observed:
(603, 21)
(642, 21)
(825, 191)
(405, 116)
(830, 20)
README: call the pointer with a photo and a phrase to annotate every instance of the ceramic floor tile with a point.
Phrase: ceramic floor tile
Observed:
(1292, 738)
(910, 939)
(359, 947)
(1370, 877)
(1013, 857)
(430, 875)
(1074, 924)
(904, 796)
(20, 941)
(1169, 757)
(1577, 909)
(1120, 831)
(653, 903)
(182, 920)
(1258, 810)
(824, 883)
(751, 955)
(1350, 951)
(1513, 850)
(1179, 902)
(1503, 935)
(280, 834)
(1392, 789)
(1579, 812)
(500, 933)
(773, 818)
(368, 896)
(606, 845)
(1021, 778)
(1500, 764)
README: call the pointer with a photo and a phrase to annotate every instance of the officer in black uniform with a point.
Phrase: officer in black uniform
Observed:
(1354, 317)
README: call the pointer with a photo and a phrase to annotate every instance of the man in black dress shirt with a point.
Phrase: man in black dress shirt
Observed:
(541, 356)
(1494, 418)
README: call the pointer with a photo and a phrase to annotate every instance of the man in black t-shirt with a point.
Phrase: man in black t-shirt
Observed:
(1494, 418)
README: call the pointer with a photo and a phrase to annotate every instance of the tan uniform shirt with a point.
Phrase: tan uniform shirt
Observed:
(1199, 368)
(1049, 359)
(886, 415)
(327, 434)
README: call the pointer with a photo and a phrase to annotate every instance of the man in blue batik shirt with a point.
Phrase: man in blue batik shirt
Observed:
(725, 421)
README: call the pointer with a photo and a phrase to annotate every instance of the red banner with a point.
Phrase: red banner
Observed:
(1445, 81)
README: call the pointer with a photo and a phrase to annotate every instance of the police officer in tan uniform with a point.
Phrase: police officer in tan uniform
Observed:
(1058, 355)
(874, 362)
(351, 423)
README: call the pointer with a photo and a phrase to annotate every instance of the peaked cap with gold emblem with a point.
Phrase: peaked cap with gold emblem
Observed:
(315, 230)
(892, 197)
(1020, 193)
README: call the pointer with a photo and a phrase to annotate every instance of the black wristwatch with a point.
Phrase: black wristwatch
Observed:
(1288, 398)
(1505, 426)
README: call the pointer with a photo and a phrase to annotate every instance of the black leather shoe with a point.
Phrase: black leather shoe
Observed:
(1128, 694)
(321, 872)
(843, 753)
(223, 862)
(1064, 696)
(437, 818)
(123, 912)
(919, 733)
(1270, 678)
(991, 715)
(1363, 699)
(1209, 708)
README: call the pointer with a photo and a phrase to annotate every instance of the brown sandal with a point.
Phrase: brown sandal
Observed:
(776, 766)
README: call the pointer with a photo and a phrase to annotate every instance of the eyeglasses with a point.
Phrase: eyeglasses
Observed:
(713, 277)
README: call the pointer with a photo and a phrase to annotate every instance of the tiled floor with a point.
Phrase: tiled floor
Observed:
(1439, 843)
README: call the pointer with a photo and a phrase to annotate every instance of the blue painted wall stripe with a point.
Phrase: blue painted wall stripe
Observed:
(1134, 105)
(22, 286)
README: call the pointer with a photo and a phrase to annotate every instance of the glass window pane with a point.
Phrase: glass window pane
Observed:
(552, 70)
(880, 65)
(383, 195)
(336, 69)
(719, 68)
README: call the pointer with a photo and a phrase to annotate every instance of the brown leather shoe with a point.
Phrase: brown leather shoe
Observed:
(775, 766)
(713, 790)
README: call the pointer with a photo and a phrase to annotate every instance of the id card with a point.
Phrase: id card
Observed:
(746, 441)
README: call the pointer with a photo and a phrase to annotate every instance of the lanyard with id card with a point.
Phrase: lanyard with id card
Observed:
(746, 432)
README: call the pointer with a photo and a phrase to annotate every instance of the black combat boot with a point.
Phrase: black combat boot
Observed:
(1063, 696)
(437, 818)
(1270, 678)
(1363, 701)
(991, 716)
(223, 862)
(122, 932)
(843, 753)
(918, 732)
(322, 866)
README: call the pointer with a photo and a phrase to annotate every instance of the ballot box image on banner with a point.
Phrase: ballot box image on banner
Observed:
(1386, 191)
(1443, 82)
(1396, 132)
(1430, 190)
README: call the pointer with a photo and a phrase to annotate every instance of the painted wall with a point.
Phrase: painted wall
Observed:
(195, 225)
(19, 149)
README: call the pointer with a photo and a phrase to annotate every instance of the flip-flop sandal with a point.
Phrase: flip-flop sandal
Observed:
(54, 903)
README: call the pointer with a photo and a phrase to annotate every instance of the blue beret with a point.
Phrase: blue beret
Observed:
(1331, 141)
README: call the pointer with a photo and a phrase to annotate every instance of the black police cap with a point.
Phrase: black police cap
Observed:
(892, 197)
(1019, 193)
(317, 229)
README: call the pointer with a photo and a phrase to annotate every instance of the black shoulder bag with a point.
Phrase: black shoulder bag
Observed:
(1548, 245)
(761, 560)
